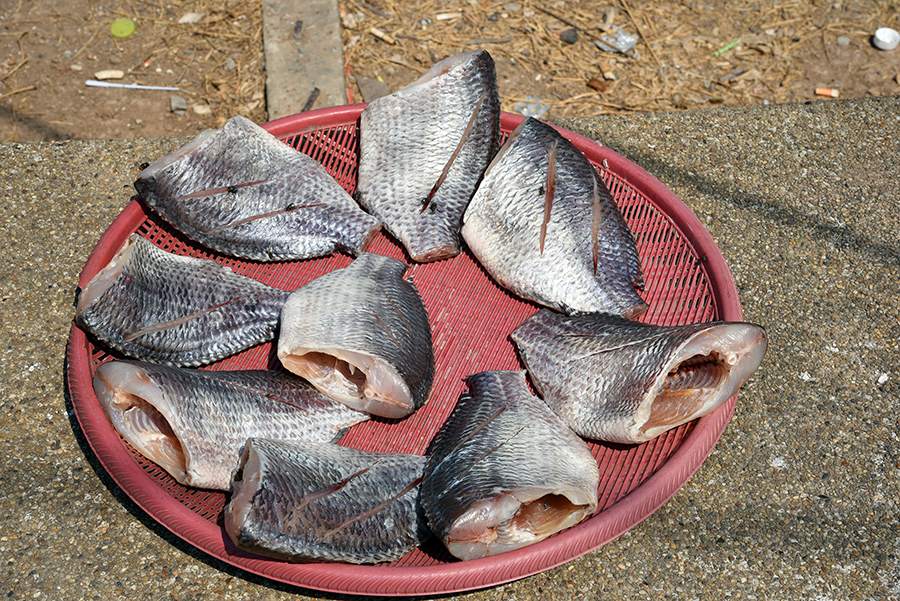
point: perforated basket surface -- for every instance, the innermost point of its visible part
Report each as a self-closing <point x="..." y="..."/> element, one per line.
<point x="687" y="281"/>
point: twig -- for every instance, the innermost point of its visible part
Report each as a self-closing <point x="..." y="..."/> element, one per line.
<point x="14" y="69"/>
<point x="29" y="88"/>
<point x="90" y="39"/>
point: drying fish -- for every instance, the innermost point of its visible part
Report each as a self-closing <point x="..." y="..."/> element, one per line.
<point x="298" y="500"/>
<point x="165" y="308"/>
<point x="424" y="148"/>
<point x="192" y="423"/>
<point x="623" y="381"/>
<point x="545" y="226"/>
<point x="240" y="191"/>
<point x="361" y="335"/>
<point x="504" y="471"/>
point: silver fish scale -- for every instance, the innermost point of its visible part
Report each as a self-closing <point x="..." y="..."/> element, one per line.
<point x="594" y="370"/>
<point x="224" y="312"/>
<point x="407" y="138"/>
<point x="288" y="519"/>
<point x="213" y="413"/>
<point x="366" y="307"/>
<point x="305" y="212"/>
<point x="502" y="226"/>
<point x="500" y="438"/>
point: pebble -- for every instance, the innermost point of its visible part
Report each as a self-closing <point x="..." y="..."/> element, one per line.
<point x="569" y="36"/>
<point x="843" y="41"/>
<point x="202" y="109"/>
<point x="512" y="7"/>
<point x="68" y="54"/>
<point x="109" y="74"/>
<point x="230" y="65"/>
<point x="371" y="88"/>
<point x="494" y="16"/>
<point x="177" y="104"/>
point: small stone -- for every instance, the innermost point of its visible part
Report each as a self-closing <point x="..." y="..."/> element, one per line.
<point x="512" y="7"/>
<point x="494" y="16"/>
<point x="597" y="84"/>
<point x="569" y="36"/>
<point x="109" y="74"/>
<point x="177" y="104"/>
<point x="76" y="67"/>
<point x="230" y="65"/>
<point x="843" y="41"/>
<point x="202" y="109"/>
<point x="371" y="88"/>
<point x="68" y="54"/>
<point x="191" y="18"/>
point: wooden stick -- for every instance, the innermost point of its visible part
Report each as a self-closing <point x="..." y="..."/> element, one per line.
<point x="29" y="88"/>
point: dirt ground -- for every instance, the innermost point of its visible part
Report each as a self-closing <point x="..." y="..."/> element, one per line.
<point x="688" y="54"/>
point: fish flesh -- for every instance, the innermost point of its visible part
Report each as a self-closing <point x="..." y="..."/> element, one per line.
<point x="504" y="471"/>
<point x="193" y="423"/>
<point x="424" y="148"/>
<point x="619" y="380"/>
<point x="361" y="336"/>
<point x="242" y="192"/>
<point x="544" y="225"/>
<point x="165" y="308"/>
<point x="299" y="501"/>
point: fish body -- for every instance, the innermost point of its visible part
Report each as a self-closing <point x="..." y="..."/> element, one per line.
<point x="165" y="308"/>
<point x="618" y="380"/>
<point x="545" y="226"/>
<point x="192" y="423"/>
<point x="303" y="501"/>
<point x="424" y="148"/>
<point x="240" y="191"/>
<point x="504" y="471"/>
<point x="361" y="335"/>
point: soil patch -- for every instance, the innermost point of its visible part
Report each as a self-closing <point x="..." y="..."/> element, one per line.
<point x="686" y="55"/>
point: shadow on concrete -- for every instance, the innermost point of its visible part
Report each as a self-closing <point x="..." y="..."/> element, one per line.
<point x="47" y="131"/>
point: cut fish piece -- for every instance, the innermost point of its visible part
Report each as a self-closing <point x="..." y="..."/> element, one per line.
<point x="618" y="380"/>
<point x="240" y="191"/>
<point x="424" y="148"/>
<point x="192" y="423"/>
<point x="545" y="226"/>
<point x="361" y="335"/>
<point x="297" y="500"/>
<point x="165" y="308"/>
<point x="504" y="471"/>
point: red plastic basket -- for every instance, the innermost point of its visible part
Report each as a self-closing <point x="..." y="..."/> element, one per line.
<point x="687" y="281"/>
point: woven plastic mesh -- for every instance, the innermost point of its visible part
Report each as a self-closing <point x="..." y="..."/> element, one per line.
<point x="686" y="281"/>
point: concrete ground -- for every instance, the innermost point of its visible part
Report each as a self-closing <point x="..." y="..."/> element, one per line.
<point x="799" y="499"/>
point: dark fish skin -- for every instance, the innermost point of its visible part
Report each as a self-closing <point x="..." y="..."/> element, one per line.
<point x="164" y="308"/>
<point x="408" y="138"/>
<point x="361" y="335"/>
<point x="303" y="501"/>
<point x="618" y="380"/>
<point x="504" y="471"/>
<point x="193" y="423"/>
<point x="240" y="191"/>
<point x="549" y="230"/>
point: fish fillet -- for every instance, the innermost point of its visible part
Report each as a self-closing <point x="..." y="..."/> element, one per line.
<point x="618" y="380"/>
<point x="504" y="472"/>
<point x="303" y="501"/>
<point x="240" y="191"/>
<point x="361" y="335"/>
<point x="544" y="225"/>
<point x="165" y="308"/>
<point x="424" y="148"/>
<point x="192" y="423"/>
